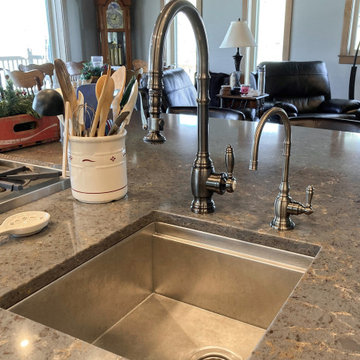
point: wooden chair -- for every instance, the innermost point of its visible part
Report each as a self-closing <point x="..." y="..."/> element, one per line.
<point x="138" y="64"/>
<point x="47" y="69"/>
<point x="26" y="80"/>
<point x="75" y="69"/>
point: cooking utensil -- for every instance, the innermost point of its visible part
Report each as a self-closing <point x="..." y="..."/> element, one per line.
<point x="105" y="107"/>
<point x="119" y="77"/>
<point x="25" y="223"/>
<point x="115" y="105"/>
<point x="129" y="106"/>
<point x="102" y="99"/>
<point x="117" y="123"/>
<point x="142" y="113"/>
<point x="127" y="92"/>
<point x="67" y="89"/>
<point x="99" y="86"/>
<point x="80" y="118"/>
<point x="66" y="138"/>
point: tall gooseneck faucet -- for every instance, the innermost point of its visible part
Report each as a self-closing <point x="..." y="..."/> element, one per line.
<point x="284" y="206"/>
<point x="204" y="180"/>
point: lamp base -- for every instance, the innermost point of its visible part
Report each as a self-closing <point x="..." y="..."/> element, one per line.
<point x="235" y="80"/>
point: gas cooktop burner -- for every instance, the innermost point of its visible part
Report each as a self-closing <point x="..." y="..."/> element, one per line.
<point x="21" y="183"/>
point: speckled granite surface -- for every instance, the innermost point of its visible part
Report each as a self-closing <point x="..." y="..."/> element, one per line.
<point x="321" y="320"/>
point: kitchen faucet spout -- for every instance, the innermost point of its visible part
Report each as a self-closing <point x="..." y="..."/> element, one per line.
<point x="204" y="180"/>
<point x="284" y="205"/>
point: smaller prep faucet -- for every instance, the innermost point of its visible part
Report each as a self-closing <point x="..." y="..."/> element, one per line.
<point x="284" y="205"/>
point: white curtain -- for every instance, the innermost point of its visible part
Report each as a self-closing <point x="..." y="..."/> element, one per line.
<point x="58" y="29"/>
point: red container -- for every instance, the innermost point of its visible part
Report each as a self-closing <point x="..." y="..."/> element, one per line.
<point x="25" y="130"/>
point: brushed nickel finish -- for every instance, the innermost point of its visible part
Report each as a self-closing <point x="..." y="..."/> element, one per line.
<point x="168" y="292"/>
<point x="284" y="205"/>
<point x="204" y="180"/>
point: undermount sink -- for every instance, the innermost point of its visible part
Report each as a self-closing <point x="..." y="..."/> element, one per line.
<point x="169" y="292"/>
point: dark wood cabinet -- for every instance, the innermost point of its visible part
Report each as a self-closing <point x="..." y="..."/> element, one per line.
<point x="113" y="21"/>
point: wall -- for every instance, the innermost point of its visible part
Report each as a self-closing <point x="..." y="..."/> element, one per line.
<point x="143" y="17"/>
<point x="217" y="16"/>
<point x="316" y="35"/>
<point x="81" y="18"/>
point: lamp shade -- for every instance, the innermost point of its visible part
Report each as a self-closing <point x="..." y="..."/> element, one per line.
<point x="238" y="35"/>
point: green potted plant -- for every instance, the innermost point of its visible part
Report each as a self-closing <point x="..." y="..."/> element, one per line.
<point x="91" y="73"/>
<point x="20" y="124"/>
<point x="15" y="102"/>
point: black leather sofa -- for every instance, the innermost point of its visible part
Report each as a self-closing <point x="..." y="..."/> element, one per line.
<point x="302" y="89"/>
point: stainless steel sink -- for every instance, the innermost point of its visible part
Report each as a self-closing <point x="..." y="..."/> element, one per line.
<point x="168" y="292"/>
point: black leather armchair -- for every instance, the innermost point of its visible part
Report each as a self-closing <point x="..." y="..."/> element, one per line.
<point x="179" y="89"/>
<point x="302" y="89"/>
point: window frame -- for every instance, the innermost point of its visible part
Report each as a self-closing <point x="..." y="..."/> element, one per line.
<point x="170" y="56"/>
<point x="250" y="12"/>
<point x="351" y="17"/>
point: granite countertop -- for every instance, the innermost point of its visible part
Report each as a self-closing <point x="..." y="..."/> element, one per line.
<point x="321" y="320"/>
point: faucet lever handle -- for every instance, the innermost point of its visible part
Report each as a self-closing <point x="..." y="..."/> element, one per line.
<point x="309" y="195"/>
<point x="230" y="163"/>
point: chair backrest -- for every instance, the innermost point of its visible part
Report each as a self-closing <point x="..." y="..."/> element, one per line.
<point x="214" y="112"/>
<point x="47" y="69"/>
<point x="302" y="83"/>
<point x="88" y="90"/>
<point x="178" y="89"/>
<point x="74" y="69"/>
<point x="216" y="81"/>
<point x="26" y="80"/>
<point x="138" y="63"/>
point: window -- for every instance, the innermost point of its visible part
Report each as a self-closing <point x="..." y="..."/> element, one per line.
<point x="272" y="37"/>
<point x="181" y="43"/>
<point x="26" y="39"/>
<point x="351" y="32"/>
<point x="270" y="34"/>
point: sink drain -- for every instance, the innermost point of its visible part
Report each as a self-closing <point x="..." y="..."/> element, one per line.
<point x="213" y="353"/>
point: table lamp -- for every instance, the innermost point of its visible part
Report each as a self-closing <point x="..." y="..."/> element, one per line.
<point x="238" y="35"/>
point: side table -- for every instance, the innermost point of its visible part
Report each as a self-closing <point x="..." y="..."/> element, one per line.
<point x="240" y="102"/>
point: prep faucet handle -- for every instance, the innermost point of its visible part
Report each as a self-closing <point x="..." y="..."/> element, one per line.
<point x="230" y="163"/>
<point x="296" y="208"/>
<point x="309" y="195"/>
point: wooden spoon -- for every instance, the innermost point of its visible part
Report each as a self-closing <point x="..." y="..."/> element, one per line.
<point x="119" y="77"/>
<point x="101" y="101"/>
<point x="107" y="98"/>
<point x="81" y="122"/>
<point x="99" y="86"/>
<point x="66" y="137"/>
